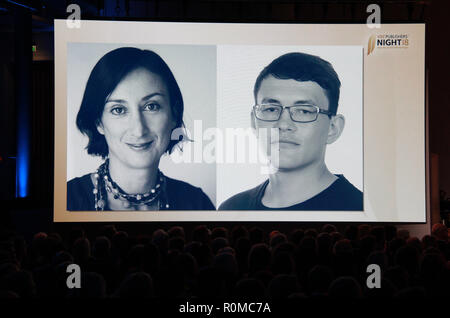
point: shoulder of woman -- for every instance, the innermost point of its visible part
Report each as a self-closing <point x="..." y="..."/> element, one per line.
<point x="78" y="182"/>
<point x="79" y="193"/>
<point x="183" y="192"/>
<point x="178" y="185"/>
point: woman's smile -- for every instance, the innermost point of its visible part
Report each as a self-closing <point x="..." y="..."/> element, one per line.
<point x="139" y="147"/>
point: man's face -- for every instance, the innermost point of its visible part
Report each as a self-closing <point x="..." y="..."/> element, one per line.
<point x="301" y="145"/>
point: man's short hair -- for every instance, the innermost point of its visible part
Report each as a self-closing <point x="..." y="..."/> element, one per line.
<point x="304" y="67"/>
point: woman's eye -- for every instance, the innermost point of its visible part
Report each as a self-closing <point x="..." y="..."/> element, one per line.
<point x="152" y="107"/>
<point x="117" y="110"/>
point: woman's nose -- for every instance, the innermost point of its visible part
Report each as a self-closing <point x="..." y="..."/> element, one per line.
<point x="285" y="122"/>
<point x="137" y="125"/>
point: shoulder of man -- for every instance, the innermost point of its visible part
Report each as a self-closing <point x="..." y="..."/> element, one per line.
<point x="245" y="200"/>
<point x="350" y="196"/>
<point x="343" y="185"/>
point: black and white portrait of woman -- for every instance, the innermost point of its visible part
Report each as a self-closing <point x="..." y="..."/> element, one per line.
<point x="130" y="107"/>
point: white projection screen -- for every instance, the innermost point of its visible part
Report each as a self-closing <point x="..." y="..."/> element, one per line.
<point x="375" y="144"/>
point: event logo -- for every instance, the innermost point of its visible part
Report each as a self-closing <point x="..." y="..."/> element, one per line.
<point x="387" y="41"/>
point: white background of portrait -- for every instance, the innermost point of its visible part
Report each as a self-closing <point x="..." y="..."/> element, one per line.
<point x="196" y="80"/>
<point x="396" y="182"/>
<point x="237" y="69"/>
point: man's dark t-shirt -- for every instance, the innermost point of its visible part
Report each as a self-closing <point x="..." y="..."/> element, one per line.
<point x="341" y="195"/>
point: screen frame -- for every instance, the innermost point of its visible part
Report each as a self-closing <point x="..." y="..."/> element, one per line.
<point x="426" y="168"/>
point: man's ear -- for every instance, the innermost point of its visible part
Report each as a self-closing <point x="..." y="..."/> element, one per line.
<point x="253" y="123"/>
<point x="100" y="129"/>
<point x="337" y="124"/>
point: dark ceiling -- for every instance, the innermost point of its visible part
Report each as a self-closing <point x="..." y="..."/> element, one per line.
<point x="44" y="11"/>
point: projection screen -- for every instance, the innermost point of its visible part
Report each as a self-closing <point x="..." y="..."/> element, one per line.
<point x="280" y="122"/>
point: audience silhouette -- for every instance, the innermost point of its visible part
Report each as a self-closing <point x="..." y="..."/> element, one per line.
<point x="220" y="262"/>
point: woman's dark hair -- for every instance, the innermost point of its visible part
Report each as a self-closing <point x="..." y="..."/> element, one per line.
<point x="304" y="67"/>
<point x="104" y="78"/>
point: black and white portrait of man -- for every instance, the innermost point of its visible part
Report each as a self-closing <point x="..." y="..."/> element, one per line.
<point x="297" y="95"/>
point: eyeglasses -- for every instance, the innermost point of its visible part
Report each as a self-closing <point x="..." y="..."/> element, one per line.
<point x="298" y="113"/>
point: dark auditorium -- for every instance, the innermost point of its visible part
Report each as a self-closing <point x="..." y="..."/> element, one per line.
<point x="224" y="156"/>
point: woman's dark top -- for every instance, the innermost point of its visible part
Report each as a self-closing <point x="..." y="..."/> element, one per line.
<point x="181" y="195"/>
<point x="341" y="195"/>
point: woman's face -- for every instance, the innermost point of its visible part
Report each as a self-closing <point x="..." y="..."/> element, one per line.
<point x="137" y="120"/>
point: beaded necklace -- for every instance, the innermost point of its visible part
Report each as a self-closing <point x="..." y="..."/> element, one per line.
<point x="103" y="184"/>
